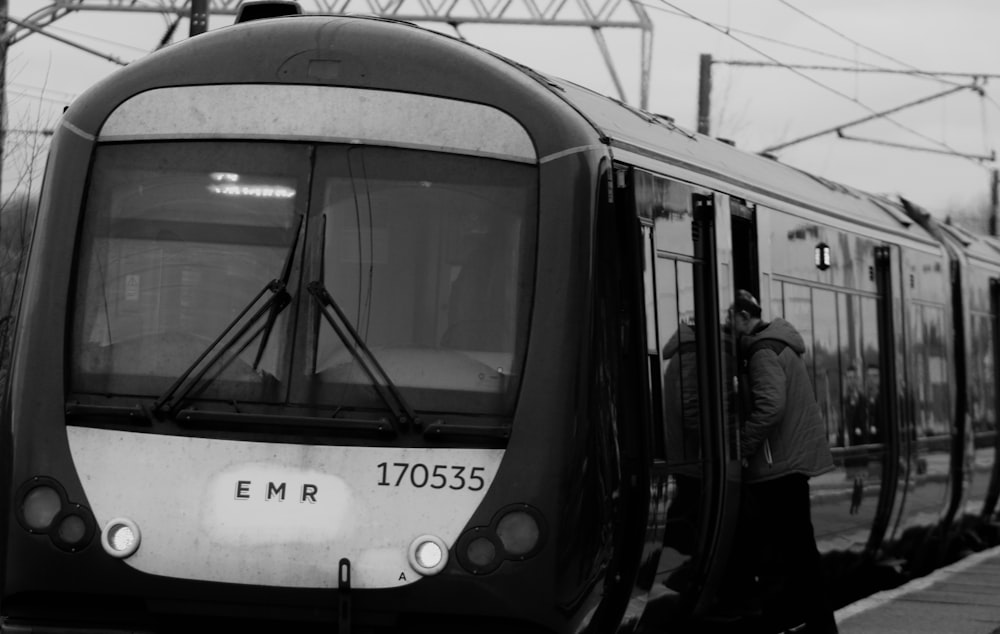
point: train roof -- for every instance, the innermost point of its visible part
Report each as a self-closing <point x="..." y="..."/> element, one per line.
<point x="404" y="60"/>
<point x="657" y="136"/>
<point x="961" y="244"/>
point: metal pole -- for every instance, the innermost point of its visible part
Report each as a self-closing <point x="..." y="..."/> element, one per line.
<point x="4" y="9"/>
<point x="994" y="199"/>
<point x="704" y="92"/>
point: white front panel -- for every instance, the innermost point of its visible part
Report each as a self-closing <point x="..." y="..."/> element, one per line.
<point x="319" y="113"/>
<point x="278" y="514"/>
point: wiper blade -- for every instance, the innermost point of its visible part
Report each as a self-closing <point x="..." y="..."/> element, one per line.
<point x="441" y="429"/>
<point x="384" y="385"/>
<point x="328" y="424"/>
<point x="278" y="300"/>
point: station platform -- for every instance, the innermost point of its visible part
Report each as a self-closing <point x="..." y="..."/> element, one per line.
<point x="963" y="598"/>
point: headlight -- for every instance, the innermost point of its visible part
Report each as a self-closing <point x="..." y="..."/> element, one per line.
<point x="120" y="537"/>
<point x="518" y="532"/>
<point x="428" y="554"/>
<point x="39" y="507"/>
<point x="43" y="508"/>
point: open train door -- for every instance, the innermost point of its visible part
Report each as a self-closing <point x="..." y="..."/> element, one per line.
<point x="686" y="278"/>
<point x="885" y="435"/>
<point x="726" y="241"/>
<point x="992" y="380"/>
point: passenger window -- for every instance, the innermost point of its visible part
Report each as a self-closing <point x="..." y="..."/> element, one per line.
<point x="678" y="330"/>
<point x="826" y="360"/>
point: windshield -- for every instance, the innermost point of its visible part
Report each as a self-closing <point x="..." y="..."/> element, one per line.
<point x="428" y="256"/>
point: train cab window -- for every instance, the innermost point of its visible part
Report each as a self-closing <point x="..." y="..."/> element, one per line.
<point x="211" y="260"/>
<point x="427" y="254"/>
<point x="177" y="240"/>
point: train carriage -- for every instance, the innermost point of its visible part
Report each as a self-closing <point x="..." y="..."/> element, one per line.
<point x="975" y="272"/>
<point x="336" y="323"/>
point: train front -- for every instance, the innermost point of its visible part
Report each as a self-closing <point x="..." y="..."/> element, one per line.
<point x="273" y="365"/>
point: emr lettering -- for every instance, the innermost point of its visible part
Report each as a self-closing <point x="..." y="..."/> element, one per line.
<point x="275" y="491"/>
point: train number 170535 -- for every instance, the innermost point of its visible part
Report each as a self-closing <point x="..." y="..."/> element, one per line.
<point x="437" y="476"/>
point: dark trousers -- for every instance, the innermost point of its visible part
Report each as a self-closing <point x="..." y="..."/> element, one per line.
<point x="792" y="585"/>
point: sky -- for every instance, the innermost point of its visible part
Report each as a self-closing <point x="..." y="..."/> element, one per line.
<point x="943" y="163"/>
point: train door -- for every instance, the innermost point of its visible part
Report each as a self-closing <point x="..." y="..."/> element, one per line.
<point x="684" y="324"/>
<point x="991" y="393"/>
<point x="884" y="425"/>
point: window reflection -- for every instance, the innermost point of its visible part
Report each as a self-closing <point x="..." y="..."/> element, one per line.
<point x="840" y="331"/>
<point x="167" y="261"/>
<point x="827" y="361"/>
<point x="982" y="389"/>
<point x="426" y="254"/>
<point x="930" y="383"/>
<point x="681" y="409"/>
<point x="668" y="204"/>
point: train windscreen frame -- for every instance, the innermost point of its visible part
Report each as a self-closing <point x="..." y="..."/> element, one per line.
<point x="186" y="244"/>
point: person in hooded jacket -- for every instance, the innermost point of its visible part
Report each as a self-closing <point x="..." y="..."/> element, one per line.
<point x="783" y="444"/>
<point x="682" y="417"/>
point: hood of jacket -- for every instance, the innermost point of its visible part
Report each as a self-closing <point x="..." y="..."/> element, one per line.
<point x="685" y="335"/>
<point x="775" y="330"/>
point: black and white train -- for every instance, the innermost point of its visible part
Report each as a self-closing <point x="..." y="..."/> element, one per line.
<point x="339" y="324"/>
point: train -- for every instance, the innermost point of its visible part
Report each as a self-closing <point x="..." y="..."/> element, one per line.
<point x="337" y="323"/>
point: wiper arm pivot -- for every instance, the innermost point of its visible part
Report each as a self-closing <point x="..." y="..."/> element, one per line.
<point x="277" y="301"/>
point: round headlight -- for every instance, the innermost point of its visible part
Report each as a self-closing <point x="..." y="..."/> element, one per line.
<point x="481" y="552"/>
<point x="428" y="554"/>
<point x="120" y="537"/>
<point x="72" y="530"/>
<point x="40" y="506"/>
<point x="518" y="532"/>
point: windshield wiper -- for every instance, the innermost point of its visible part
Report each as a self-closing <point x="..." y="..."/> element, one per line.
<point x="277" y="302"/>
<point x="384" y="386"/>
<point x="286" y="273"/>
<point x="331" y="425"/>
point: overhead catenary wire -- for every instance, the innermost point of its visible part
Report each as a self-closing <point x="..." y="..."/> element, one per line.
<point x="852" y="69"/>
<point x="908" y="69"/>
<point x="852" y="40"/>
<point x="42" y="97"/>
<point x="812" y="80"/>
<point x="87" y="49"/>
<point x="94" y="38"/>
<point x="44" y="90"/>
<point x="727" y="30"/>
